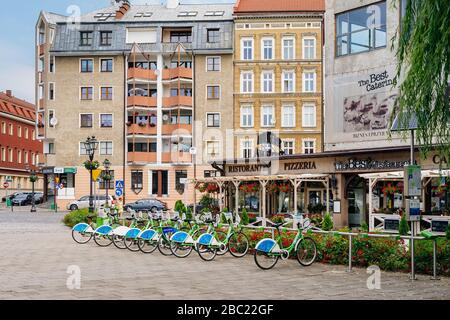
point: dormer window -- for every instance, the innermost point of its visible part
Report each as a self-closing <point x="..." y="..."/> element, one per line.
<point x="86" y="38"/>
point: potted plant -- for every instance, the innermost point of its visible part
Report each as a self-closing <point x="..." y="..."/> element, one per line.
<point x="91" y="165"/>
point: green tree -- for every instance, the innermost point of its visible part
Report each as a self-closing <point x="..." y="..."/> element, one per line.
<point x="403" y="227"/>
<point x="423" y="53"/>
<point x="327" y="223"/>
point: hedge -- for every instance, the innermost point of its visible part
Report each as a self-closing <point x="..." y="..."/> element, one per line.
<point x="77" y="216"/>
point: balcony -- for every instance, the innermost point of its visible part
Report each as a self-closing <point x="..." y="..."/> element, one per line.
<point x="149" y="102"/>
<point x="176" y="157"/>
<point x="170" y="74"/>
<point x="140" y="73"/>
<point x="170" y="102"/>
<point x="171" y="129"/>
<point x="136" y="129"/>
<point x="143" y="157"/>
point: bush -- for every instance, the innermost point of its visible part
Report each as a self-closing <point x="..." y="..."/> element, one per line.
<point x="364" y="227"/>
<point x="179" y="206"/>
<point x="244" y="217"/>
<point x="188" y="213"/>
<point x="78" y="216"/>
<point x="327" y="223"/>
<point x="403" y="227"/>
<point x="447" y="232"/>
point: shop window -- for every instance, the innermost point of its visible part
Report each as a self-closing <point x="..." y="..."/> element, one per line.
<point x="107" y="183"/>
<point x="67" y="180"/>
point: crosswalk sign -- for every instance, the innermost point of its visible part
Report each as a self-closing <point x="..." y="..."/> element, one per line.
<point x="119" y="184"/>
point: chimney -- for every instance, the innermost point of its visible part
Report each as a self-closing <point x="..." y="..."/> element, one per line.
<point x="9" y="93"/>
<point x="172" y="4"/>
<point x="123" y="9"/>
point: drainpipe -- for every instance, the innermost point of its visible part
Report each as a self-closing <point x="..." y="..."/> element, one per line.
<point x="125" y="144"/>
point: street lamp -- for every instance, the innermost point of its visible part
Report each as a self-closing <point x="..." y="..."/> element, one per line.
<point x="107" y="178"/>
<point x="91" y="145"/>
<point x="33" y="179"/>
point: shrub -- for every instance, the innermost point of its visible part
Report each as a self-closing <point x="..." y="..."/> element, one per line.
<point x="447" y="232"/>
<point x="188" y="213"/>
<point x="244" y="217"/>
<point x="78" y="216"/>
<point x="403" y="227"/>
<point x="327" y="223"/>
<point x="179" y="206"/>
<point x="364" y="227"/>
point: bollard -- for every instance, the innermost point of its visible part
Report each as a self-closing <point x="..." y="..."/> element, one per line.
<point x="349" y="253"/>
<point x="434" y="277"/>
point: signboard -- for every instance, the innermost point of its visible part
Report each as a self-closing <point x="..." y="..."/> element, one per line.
<point x="48" y="170"/>
<point x="391" y="224"/>
<point x="58" y="170"/>
<point x="413" y="181"/>
<point x="119" y="192"/>
<point x="119" y="184"/>
<point x="8" y="179"/>
<point x="183" y="180"/>
<point x="6" y="185"/>
<point x="439" y="225"/>
<point x="413" y="209"/>
<point x="95" y="174"/>
<point x="337" y="206"/>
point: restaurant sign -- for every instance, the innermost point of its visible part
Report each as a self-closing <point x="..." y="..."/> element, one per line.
<point x="367" y="164"/>
<point x="247" y="168"/>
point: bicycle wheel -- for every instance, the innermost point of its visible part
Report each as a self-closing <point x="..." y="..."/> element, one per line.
<point x="102" y="240"/>
<point x="306" y="251"/>
<point x="131" y="244"/>
<point x="119" y="242"/>
<point x="164" y="245"/>
<point x="205" y="252"/>
<point x="147" y="246"/>
<point x="265" y="260"/>
<point x="180" y="250"/>
<point x="81" y="237"/>
<point x="221" y="237"/>
<point x="238" y="244"/>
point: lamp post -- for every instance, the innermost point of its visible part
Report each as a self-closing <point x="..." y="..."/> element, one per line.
<point x="107" y="178"/>
<point x="33" y="179"/>
<point x="91" y="144"/>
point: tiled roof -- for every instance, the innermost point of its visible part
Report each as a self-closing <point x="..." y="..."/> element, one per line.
<point x="255" y="6"/>
<point x="17" y="107"/>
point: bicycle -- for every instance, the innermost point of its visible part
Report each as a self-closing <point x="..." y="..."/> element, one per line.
<point x="119" y="234"/>
<point x="268" y="251"/>
<point x="131" y="237"/>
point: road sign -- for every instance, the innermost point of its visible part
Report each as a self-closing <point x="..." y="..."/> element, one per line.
<point x="6" y="185"/>
<point x="8" y="179"/>
<point x="60" y="186"/>
<point x="95" y="174"/>
<point x="119" y="184"/>
<point x="119" y="192"/>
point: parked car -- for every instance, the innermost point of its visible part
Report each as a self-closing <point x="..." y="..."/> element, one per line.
<point x="11" y="196"/>
<point x="152" y="205"/>
<point x="199" y="207"/>
<point x="22" y="199"/>
<point x="38" y="197"/>
<point x="83" y="202"/>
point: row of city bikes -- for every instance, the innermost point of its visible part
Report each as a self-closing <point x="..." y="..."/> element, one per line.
<point x="179" y="236"/>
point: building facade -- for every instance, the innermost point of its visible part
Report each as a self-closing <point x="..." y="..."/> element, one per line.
<point x="278" y="76"/>
<point x="128" y="75"/>
<point x="20" y="151"/>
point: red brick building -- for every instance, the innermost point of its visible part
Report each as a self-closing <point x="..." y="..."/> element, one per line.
<point x="19" y="148"/>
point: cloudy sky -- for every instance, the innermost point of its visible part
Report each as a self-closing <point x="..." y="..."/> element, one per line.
<point x="17" y="22"/>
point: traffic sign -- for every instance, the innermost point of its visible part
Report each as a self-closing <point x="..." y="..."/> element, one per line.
<point x="119" y="192"/>
<point x="95" y="174"/>
<point x="6" y="185"/>
<point x="8" y="179"/>
<point x="119" y="184"/>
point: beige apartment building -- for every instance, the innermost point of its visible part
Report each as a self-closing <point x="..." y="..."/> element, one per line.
<point x="278" y="77"/>
<point x="147" y="81"/>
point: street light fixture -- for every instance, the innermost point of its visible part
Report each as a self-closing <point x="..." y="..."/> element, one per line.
<point x="91" y="145"/>
<point x="107" y="178"/>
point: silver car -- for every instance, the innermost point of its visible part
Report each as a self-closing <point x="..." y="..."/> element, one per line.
<point x="83" y="202"/>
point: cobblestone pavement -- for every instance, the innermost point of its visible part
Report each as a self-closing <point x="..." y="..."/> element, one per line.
<point x="36" y="250"/>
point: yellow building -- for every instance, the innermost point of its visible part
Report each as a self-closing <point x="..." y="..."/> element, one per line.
<point x="278" y="75"/>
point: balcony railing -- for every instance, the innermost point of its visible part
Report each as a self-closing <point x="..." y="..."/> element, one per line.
<point x="176" y="101"/>
<point x="146" y="157"/>
<point x="180" y="129"/>
<point x="149" y="102"/>
<point x="141" y="129"/>
<point x="176" y="157"/>
<point x="140" y="73"/>
<point x="175" y="73"/>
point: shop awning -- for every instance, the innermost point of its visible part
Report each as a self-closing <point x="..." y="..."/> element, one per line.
<point x="306" y="176"/>
<point x="399" y="174"/>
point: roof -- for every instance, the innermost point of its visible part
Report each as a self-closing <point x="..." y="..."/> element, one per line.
<point x="17" y="107"/>
<point x="264" y="6"/>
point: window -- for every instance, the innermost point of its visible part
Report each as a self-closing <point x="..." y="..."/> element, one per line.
<point x="3" y="127"/>
<point x="309" y="116"/>
<point x="308" y="146"/>
<point x="211" y="173"/>
<point x="309" y="81"/>
<point x="33" y="159"/>
<point x="181" y="36"/>
<point x="267" y="49"/>
<point x="51" y="148"/>
<point x="267" y="116"/>
<point x="106" y="148"/>
<point x="106" y="93"/>
<point x="105" y="38"/>
<point x="213" y="120"/>
<point x="288" y="116"/>
<point x="86" y="120"/>
<point x="52" y="64"/>
<point x="213" y="92"/>
<point x="87" y="65"/>
<point x="137" y="178"/>
<point x="110" y="184"/>
<point x="247" y="49"/>
<point x="19" y="156"/>
<point x="51" y="91"/>
<point x="247" y="82"/>
<point x="213" y="35"/>
<point x="246" y="148"/>
<point x="10" y="155"/>
<point x="213" y="63"/>
<point x="180" y="174"/>
<point x="11" y="129"/>
<point x="288" y="81"/>
<point x="288" y="146"/>
<point x="25" y="159"/>
<point x="185" y="92"/>
<point x="106" y="120"/>
<point x="106" y="65"/>
<point x="246" y="116"/>
<point x="361" y="30"/>
<point x="213" y="148"/>
<point x="41" y="65"/>
<point x="19" y="131"/>
<point x="267" y="81"/>
<point x="51" y="115"/>
<point x="86" y="38"/>
<point x="26" y="133"/>
<point x="87" y="93"/>
<point x="309" y="48"/>
<point x="158" y="188"/>
<point x="33" y="135"/>
<point x="3" y="154"/>
<point x="288" y="48"/>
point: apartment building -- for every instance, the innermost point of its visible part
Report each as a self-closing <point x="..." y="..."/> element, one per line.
<point x="142" y="79"/>
<point x="278" y="77"/>
<point x="19" y="149"/>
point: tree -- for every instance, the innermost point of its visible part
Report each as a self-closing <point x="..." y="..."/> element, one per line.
<point x="423" y="53"/>
<point x="327" y="223"/>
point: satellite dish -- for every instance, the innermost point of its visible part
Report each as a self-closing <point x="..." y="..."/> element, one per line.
<point x="53" y="121"/>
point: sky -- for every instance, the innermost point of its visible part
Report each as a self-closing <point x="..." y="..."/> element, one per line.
<point x="17" y="24"/>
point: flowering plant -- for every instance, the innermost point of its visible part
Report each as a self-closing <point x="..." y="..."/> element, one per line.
<point x="249" y="187"/>
<point x="389" y="189"/>
<point x="284" y="187"/>
<point x="91" y="165"/>
<point x="207" y="187"/>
